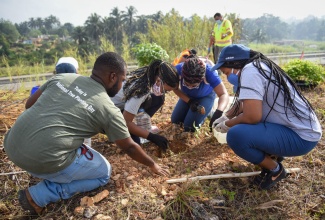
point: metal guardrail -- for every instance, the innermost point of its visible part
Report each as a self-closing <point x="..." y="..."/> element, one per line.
<point x="28" y="81"/>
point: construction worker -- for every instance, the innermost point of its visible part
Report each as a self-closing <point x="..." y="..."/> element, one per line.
<point x="222" y="34"/>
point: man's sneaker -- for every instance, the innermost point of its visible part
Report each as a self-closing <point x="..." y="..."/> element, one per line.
<point x="28" y="204"/>
<point x="271" y="178"/>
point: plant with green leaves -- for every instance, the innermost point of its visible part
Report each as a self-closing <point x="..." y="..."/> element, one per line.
<point x="147" y="52"/>
<point x="304" y="70"/>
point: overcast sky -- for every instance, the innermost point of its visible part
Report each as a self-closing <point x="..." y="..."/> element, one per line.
<point x="77" y="11"/>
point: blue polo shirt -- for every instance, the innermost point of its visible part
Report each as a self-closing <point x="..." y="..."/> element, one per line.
<point x="204" y="89"/>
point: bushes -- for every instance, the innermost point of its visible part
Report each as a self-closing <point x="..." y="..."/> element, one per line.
<point x="146" y="52"/>
<point x="304" y="70"/>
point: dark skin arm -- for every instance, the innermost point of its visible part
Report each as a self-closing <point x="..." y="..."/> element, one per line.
<point x="136" y="153"/>
<point x="223" y="95"/>
<point x="33" y="98"/>
<point x="133" y="128"/>
<point x="251" y="114"/>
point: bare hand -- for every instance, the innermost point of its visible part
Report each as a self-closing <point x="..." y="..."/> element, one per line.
<point x="162" y="171"/>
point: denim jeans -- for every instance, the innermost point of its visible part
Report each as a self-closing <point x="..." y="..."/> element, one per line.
<point x="183" y="114"/>
<point x="253" y="141"/>
<point x="65" y="68"/>
<point x="82" y="175"/>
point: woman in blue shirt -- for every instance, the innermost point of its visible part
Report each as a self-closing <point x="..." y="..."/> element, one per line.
<point x="198" y="87"/>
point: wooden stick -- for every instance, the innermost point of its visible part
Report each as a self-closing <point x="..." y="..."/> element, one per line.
<point x="3" y="174"/>
<point x="225" y="175"/>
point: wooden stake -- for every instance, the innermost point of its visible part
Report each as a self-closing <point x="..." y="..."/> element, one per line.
<point x="225" y="175"/>
<point x="3" y="174"/>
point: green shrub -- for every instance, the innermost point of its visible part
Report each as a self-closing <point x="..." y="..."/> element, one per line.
<point x="304" y="70"/>
<point x="146" y="52"/>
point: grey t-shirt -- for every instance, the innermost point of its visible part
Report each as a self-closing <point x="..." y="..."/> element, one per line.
<point x="45" y="137"/>
<point x="251" y="78"/>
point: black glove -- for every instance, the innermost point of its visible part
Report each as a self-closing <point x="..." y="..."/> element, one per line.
<point x="159" y="140"/>
<point x="217" y="114"/>
<point x="147" y="103"/>
<point x="193" y="105"/>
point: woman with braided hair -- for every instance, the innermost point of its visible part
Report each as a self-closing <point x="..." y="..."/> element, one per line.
<point x="198" y="88"/>
<point x="145" y="90"/>
<point x="269" y="115"/>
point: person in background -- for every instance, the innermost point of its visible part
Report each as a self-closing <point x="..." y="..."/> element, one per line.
<point x="66" y="65"/>
<point x="47" y="138"/>
<point x="269" y="117"/>
<point x="145" y="89"/>
<point x="183" y="56"/>
<point x="198" y="88"/>
<point x="222" y="34"/>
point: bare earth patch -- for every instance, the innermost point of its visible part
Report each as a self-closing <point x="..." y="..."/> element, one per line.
<point x="135" y="193"/>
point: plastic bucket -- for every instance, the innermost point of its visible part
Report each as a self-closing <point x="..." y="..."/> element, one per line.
<point x="34" y="89"/>
<point x="221" y="137"/>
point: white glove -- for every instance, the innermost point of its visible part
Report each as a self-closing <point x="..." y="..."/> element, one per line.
<point x="219" y="120"/>
<point x="222" y="127"/>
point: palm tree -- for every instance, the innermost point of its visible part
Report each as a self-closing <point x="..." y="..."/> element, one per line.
<point x="128" y="18"/>
<point x="32" y="23"/>
<point x="116" y="14"/>
<point x="69" y="27"/>
<point x="157" y="17"/>
<point x="51" y="21"/>
<point x="79" y="35"/>
<point x="94" y="27"/>
<point x="142" y="23"/>
<point x="108" y="26"/>
<point x="39" y="22"/>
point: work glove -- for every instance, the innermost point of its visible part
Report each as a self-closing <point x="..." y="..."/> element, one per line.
<point x="222" y="127"/>
<point x="217" y="114"/>
<point x="219" y="120"/>
<point x="193" y="105"/>
<point x="209" y="50"/>
<point x="159" y="140"/>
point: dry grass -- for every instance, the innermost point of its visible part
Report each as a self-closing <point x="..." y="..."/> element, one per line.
<point x="135" y="193"/>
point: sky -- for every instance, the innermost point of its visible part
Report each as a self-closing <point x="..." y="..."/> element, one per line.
<point x="77" y="11"/>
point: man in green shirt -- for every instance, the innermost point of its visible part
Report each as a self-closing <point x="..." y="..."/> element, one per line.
<point x="47" y="138"/>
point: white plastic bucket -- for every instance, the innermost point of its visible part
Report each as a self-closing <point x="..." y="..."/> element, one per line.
<point x="221" y="137"/>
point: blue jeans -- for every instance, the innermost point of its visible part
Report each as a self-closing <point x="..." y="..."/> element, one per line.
<point x="253" y="142"/>
<point x="183" y="114"/>
<point x="65" y="68"/>
<point x="82" y="175"/>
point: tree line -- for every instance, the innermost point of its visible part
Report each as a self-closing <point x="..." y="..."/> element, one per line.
<point x="122" y="30"/>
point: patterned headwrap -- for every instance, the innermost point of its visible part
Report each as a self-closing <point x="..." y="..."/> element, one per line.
<point x="193" y="70"/>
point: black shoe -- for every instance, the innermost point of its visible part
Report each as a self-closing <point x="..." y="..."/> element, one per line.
<point x="27" y="203"/>
<point x="258" y="179"/>
<point x="271" y="178"/>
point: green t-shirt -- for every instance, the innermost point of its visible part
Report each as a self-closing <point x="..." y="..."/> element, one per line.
<point x="45" y="137"/>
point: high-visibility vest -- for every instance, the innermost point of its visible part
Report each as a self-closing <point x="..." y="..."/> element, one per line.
<point x="218" y="31"/>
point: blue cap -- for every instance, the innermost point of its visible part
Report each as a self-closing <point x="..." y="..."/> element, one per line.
<point x="231" y="53"/>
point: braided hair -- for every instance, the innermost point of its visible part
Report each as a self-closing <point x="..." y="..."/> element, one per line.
<point x="193" y="70"/>
<point x="278" y="77"/>
<point x="143" y="79"/>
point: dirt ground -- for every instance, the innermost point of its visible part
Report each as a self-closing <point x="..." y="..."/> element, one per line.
<point x="135" y="193"/>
